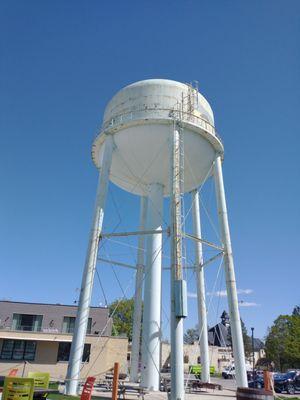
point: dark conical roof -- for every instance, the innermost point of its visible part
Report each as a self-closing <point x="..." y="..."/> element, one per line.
<point x="225" y="318"/>
<point x="218" y="335"/>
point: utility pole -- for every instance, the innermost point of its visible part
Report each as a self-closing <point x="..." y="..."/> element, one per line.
<point x="253" y="358"/>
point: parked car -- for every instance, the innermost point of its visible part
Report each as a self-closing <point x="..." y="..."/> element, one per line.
<point x="229" y="372"/>
<point x="289" y="382"/>
<point x="256" y="382"/>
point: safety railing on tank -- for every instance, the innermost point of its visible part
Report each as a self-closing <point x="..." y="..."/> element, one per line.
<point x="180" y="115"/>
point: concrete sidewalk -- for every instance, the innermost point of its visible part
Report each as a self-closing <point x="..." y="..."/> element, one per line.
<point x="204" y="394"/>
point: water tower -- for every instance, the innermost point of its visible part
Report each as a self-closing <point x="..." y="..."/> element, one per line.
<point x="149" y="129"/>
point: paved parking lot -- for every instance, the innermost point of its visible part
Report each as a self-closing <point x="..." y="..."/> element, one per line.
<point x="230" y="384"/>
<point x="228" y="392"/>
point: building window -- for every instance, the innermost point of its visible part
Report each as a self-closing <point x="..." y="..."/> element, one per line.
<point x="69" y="325"/>
<point x="186" y="359"/>
<point x="18" y="350"/>
<point x="27" y="322"/>
<point x="64" y="349"/>
<point x="198" y="360"/>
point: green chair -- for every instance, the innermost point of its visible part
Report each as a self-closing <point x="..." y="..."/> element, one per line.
<point x="18" y="388"/>
<point x="196" y="369"/>
<point x="41" y="379"/>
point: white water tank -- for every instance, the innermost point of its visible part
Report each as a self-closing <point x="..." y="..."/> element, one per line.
<point x="142" y="116"/>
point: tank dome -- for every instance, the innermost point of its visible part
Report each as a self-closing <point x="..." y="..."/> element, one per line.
<point x="156" y="98"/>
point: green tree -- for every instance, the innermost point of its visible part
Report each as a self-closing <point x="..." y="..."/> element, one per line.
<point x="264" y="362"/>
<point x="122" y="316"/>
<point x="246" y="339"/>
<point x="283" y="342"/>
<point x="296" y="311"/>
<point x="191" y="336"/>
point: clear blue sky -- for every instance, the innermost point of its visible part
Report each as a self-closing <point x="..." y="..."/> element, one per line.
<point x="61" y="61"/>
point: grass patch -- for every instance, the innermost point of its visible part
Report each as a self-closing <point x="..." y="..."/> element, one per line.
<point x="289" y="398"/>
<point x="57" y="396"/>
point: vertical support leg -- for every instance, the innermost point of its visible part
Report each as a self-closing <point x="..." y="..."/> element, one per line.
<point x="202" y="316"/>
<point x="137" y="313"/>
<point x="235" y="323"/>
<point x="177" y="296"/>
<point x="78" y="341"/>
<point x="152" y="292"/>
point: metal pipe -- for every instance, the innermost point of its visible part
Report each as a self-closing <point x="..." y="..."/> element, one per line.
<point x="137" y="313"/>
<point x="211" y="259"/>
<point x="177" y="367"/>
<point x="202" y="313"/>
<point x="134" y="233"/>
<point x="235" y="322"/>
<point x="150" y="372"/>
<point x="198" y="239"/>
<point x="73" y="373"/>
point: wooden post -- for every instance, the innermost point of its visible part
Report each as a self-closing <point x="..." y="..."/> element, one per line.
<point x="115" y="381"/>
<point x="267" y="380"/>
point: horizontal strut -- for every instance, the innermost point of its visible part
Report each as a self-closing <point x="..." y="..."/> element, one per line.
<point x="212" y="259"/>
<point x="104" y="260"/>
<point x="197" y="239"/>
<point x="134" y="233"/>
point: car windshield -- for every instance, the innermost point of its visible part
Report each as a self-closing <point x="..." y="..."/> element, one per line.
<point x="279" y="376"/>
<point x="288" y="375"/>
<point x="291" y="375"/>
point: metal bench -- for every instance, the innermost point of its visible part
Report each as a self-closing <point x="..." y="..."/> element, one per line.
<point x="191" y="384"/>
<point x="130" y="389"/>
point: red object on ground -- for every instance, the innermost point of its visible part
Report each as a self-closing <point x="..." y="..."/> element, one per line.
<point x="13" y="372"/>
<point x="115" y="382"/>
<point x="88" y="388"/>
<point x="267" y="380"/>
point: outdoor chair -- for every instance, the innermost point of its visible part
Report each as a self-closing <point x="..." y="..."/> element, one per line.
<point x="18" y="388"/>
<point x="41" y="379"/>
<point x="86" y="393"/>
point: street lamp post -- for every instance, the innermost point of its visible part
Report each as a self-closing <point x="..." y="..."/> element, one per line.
<point x="253" y="358"/>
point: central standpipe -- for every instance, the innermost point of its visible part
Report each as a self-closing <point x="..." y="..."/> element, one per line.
<point x="150" y="373"/>
<point x="178" y="287"/>
<point x="235" y="322"/>
<point x="73" y="373"/>
<point x="202" y="313"/>
<point x="137" y="313"/>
